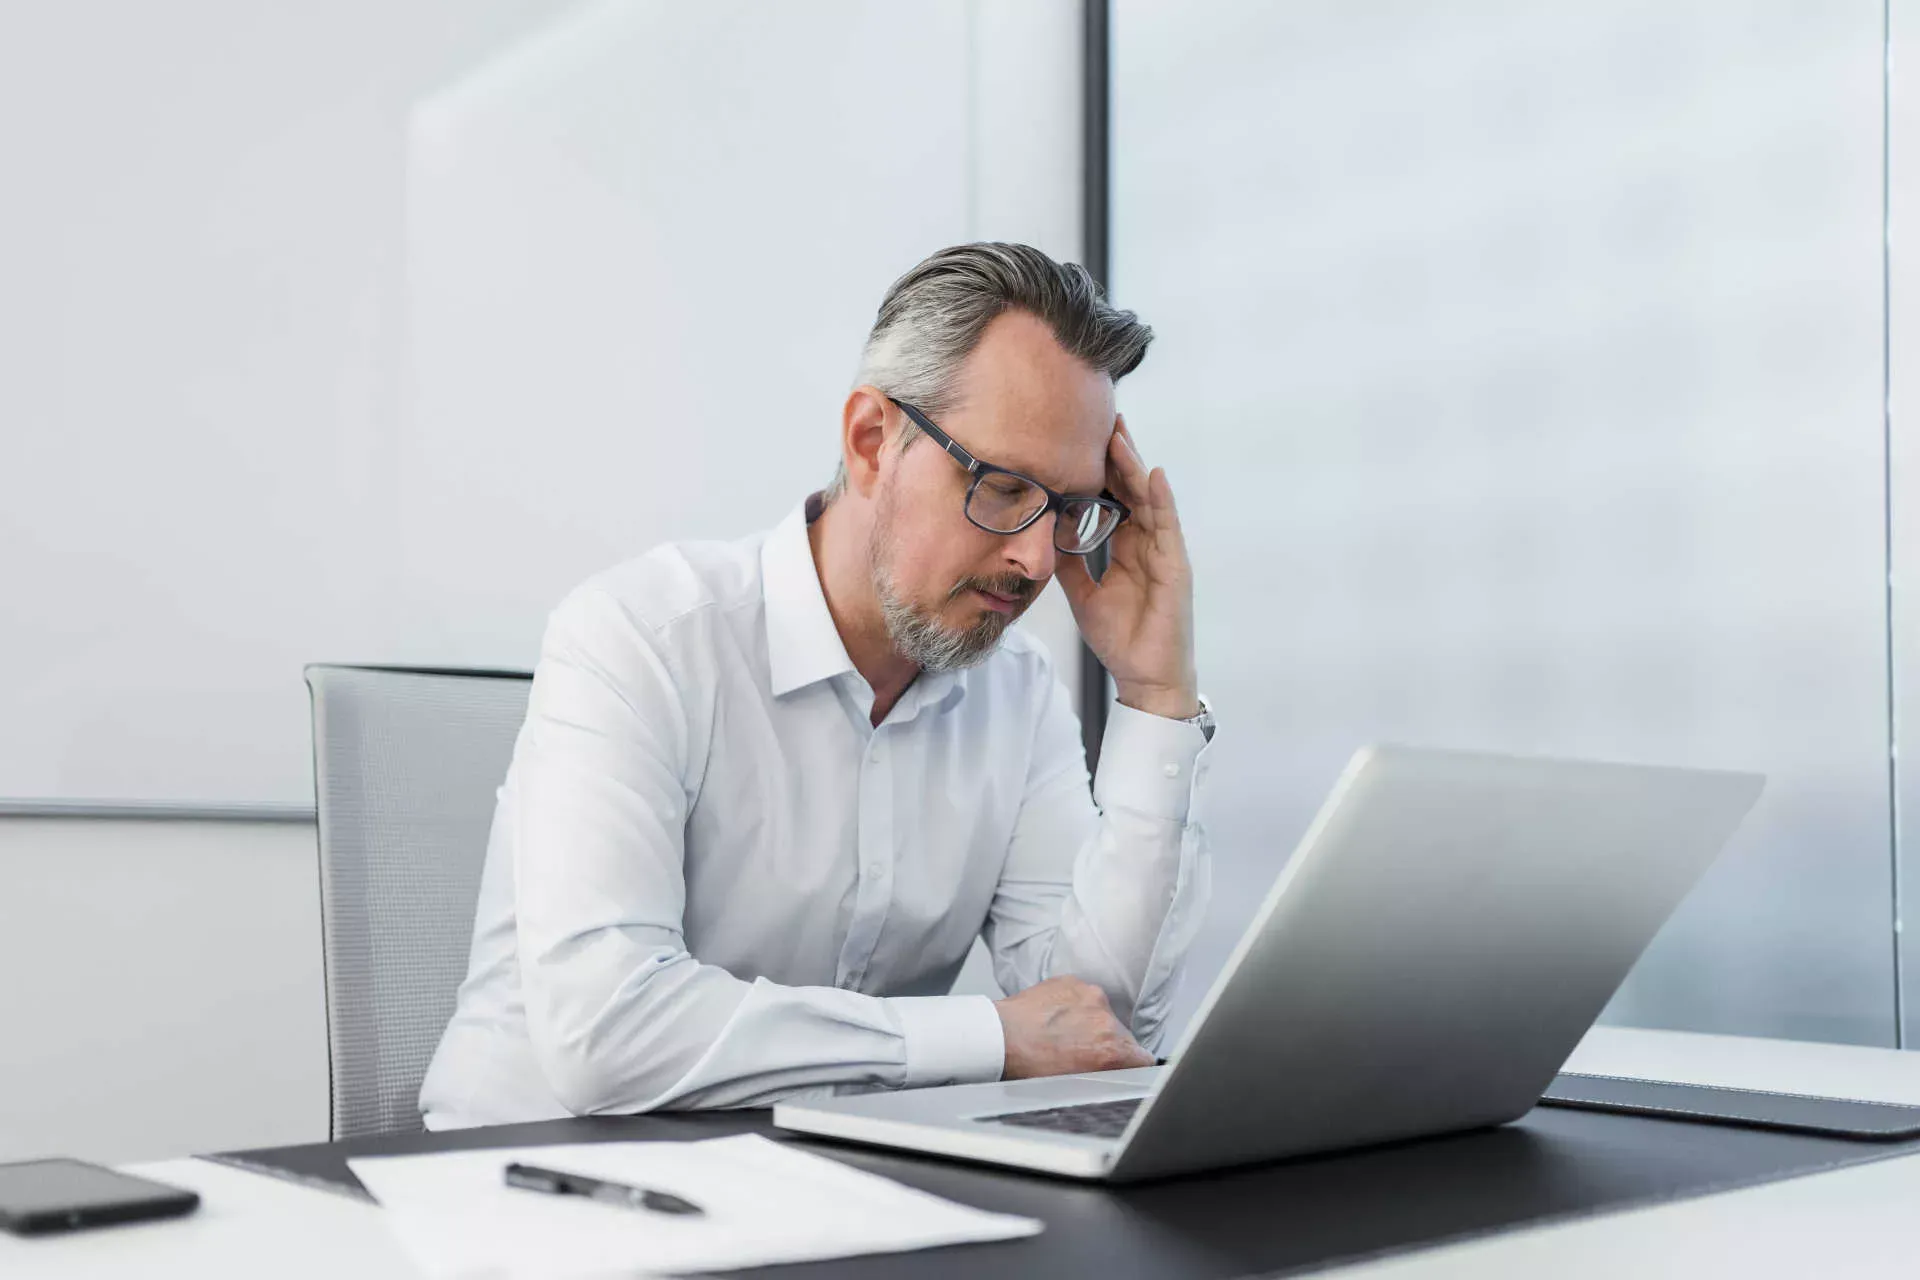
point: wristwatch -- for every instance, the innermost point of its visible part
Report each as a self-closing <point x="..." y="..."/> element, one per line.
<point x="1204" y="721"/>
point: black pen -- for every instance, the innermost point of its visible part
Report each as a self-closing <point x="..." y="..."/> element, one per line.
<point x="553" y="1182"/>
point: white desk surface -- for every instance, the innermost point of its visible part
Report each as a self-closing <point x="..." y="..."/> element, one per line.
<point x="1862" y="1221"/>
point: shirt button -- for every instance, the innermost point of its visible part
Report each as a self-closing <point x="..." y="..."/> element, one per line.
<point x="1172" y="770"/>
<point x="873" y="871"/>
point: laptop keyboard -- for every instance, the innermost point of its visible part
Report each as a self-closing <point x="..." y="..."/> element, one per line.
<point x="1092" y="1119"/>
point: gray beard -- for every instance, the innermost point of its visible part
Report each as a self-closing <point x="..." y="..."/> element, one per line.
<point x="919" y="637"/>
<point x="917" y="634"/>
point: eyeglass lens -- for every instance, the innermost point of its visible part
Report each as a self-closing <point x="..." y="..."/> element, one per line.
<point x="1004" y="503"/>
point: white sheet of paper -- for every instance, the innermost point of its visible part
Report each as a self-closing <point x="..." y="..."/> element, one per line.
<point x="766" y="1202"/>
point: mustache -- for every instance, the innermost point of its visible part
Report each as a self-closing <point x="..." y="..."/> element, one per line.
<point x="1012" y="585"/>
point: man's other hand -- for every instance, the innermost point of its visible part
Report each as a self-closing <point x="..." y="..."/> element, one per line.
<point x="1061" y="1026"/>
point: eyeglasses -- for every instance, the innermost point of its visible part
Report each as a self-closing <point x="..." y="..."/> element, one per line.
<point x="1006" y="502"/>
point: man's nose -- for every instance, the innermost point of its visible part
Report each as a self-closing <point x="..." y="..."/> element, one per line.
<point x="1031" y="550"/>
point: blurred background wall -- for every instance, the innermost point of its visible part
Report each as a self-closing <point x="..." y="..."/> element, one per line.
<point x="362" y="332"/>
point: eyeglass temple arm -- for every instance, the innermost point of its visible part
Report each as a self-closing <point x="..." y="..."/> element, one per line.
<point x="940" y="437"/>
<point x="960" y="455"/>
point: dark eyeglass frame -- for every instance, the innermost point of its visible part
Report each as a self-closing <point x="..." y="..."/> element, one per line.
<point x="981" y="470"/>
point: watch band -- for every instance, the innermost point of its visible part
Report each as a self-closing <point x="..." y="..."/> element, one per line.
<point x="1204" y="721"/>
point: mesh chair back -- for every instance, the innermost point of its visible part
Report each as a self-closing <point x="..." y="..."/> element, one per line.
<point x="406" y="765"/>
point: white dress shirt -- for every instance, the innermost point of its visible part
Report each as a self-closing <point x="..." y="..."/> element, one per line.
<point x="711" y="882"/>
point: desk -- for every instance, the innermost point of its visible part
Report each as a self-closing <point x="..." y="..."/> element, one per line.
<point x="1853" y="1221"/>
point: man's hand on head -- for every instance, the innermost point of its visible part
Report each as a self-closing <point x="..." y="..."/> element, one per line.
<point x="1064" y="1025"/>
<point x="1138" y="619"/>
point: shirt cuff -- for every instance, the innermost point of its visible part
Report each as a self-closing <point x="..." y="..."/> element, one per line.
<point x="950" y="1039"/>
<point x="1148" y="763"/>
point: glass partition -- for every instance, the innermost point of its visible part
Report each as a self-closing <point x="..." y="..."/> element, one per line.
<point x="1521" y="378"/>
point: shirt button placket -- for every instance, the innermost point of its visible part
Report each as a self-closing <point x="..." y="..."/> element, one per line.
<point x="872" y="894"/>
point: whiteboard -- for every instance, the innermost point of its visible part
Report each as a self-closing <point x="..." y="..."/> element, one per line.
<point x="362" y="332"/>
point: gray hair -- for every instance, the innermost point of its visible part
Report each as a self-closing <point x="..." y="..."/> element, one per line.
<point x="933" y="316"/>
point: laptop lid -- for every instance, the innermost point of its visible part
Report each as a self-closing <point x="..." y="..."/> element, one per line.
<point x="1449" y="927"/>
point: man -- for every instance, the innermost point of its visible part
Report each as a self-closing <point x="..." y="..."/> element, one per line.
<point x="769" y="792"/>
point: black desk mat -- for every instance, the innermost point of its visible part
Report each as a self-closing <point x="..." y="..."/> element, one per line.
<point x="1281" y="1218"/>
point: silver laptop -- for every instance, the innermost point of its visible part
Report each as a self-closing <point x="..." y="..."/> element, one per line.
<point x="1447" y="930"/>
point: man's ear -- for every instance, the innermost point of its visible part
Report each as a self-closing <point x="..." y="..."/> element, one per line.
<point x="863" y="437"/>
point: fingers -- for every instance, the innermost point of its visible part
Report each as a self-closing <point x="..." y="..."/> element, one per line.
<point x="1040" y="1041"/>
<point x="1123" y="1051"/>
<point x="1154" y="487"/>
<point x="1120" y="1049"/>
<point x="1124" y="465"/>
<point x="1147" y="492"/>
<point x="1166" y="514"/>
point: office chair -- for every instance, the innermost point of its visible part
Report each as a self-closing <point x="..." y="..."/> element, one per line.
<point x="406" y="764"/>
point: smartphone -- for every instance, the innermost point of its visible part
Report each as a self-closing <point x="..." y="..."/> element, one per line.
<point x="42" y="1196"/>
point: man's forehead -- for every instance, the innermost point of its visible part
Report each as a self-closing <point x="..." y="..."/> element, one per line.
<point x="1027" y="403"/>
<point x="1064" y="446"/>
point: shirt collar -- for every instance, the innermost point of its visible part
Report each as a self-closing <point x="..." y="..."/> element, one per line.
<point x="803" y="645"/>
